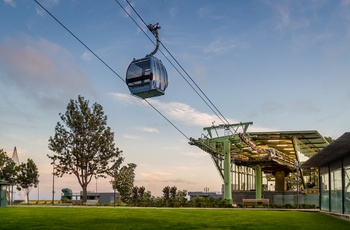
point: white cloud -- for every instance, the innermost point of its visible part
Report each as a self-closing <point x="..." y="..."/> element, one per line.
<point x="150" y="130"/>
<point x="203" y="12"/>
<point x="345" y="2"/>
<point x="41" y="70"/>
<point x="284" y="17"/>
<point x="132" y="137"/>
<point x="183" y="113"/>
<point x="173" y="11"/>
<point x="86" y="56"/>
<point x="47" y="4"/>
<point x="155" y="175"/>
<point x="40" y="11"/>
<point x="219" y="46"/>
<point x="10" y="2"/>
<point x="127" y="99"/>
<point x="172" y="110"/>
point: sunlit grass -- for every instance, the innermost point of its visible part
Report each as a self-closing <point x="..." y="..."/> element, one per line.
<point x="161" y="218"/>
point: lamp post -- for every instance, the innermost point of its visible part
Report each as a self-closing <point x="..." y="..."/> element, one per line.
<point x="11" y="198"/>
<point x="38" y="192"/>
<point x="53" y="183"/>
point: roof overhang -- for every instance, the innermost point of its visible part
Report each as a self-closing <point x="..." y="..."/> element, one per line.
<point x="336" y="150"/>
<point x="308" y="142"/>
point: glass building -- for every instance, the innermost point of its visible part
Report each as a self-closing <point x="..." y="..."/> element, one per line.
<point x="333" y="163"/>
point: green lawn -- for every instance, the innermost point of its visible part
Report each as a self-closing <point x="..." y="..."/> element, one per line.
<point x="161" y="218"/>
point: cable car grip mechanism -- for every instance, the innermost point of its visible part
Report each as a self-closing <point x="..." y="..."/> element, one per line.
<point x="154" y="29"/>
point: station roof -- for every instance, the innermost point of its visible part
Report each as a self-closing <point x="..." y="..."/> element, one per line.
<point x="309" y="142"/>
<point x="338" y="149"/>
<point x="273" y="150"/>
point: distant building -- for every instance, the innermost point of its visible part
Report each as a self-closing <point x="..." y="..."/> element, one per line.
<point x="101" y="197"/>
<point x="204" y="194"/>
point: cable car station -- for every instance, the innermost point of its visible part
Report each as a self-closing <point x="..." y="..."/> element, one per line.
<point x="244" y="158"/>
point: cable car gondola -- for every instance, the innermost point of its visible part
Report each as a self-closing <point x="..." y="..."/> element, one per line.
<point x="147" y="77"/>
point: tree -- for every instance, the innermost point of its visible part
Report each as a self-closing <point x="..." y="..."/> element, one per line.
<point x="141" y="192"/>
<point x="125" y="181"/>
<point x="166" y="193"/>
<point x="135" y="194"/>
<point x="84" y="144"/>
<point x="28" y="177"/>
<point x="138" y="195"/>
<point x="181" y="197"/>
<point x="172" y="192"/>
<point x="329" y="139"/>
<point x="8" y="168"/>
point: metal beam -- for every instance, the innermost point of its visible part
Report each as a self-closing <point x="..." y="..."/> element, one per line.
<point x="258" y="182"/>
<point x="227" y="172"/>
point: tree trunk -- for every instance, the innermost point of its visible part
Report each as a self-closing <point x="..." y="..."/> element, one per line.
<point x="27" y="193"/>
<point x="84" y="193"/>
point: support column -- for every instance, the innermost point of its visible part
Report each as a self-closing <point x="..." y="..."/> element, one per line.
<point x="227" y="172"/>
<point x="280" y="181"/>
<point x="258" y="182"/>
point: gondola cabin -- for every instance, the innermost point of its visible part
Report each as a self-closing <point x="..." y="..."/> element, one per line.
<point x="147" y="77"/>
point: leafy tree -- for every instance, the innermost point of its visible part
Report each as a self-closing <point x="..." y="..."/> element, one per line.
<point x="329" y="139"/>
<point x="28" y="177"/>
<point x="135" y="194"/>
<point x="166" y="193"/>
<point x="138" y="194"/>
<point x="181" y="197"/>
<point x="146" y="197"/>
<point x="84" y="144"/>
<point x="141" y="192"/>
<point x="125" y="181"/>
<point x="8" y="168"/>
<point x="172" y="192"/>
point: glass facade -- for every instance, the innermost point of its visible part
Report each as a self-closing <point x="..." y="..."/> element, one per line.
<point x="347" y="189"/>
<point x="325" y="192"/>
<point x="336" y="191"/>
<point x="243" y="178"/>
<point x="333" y="164"/>
<point x="335" y="186"/>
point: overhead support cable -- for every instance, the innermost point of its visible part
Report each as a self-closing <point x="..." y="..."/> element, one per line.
<point x="81" y="42"/>
<point x="110" y="68"/>
<point x="202" y="95"/>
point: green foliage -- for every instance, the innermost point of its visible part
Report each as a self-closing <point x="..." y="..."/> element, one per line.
<point x="166" y="193"/>
<point x="84" y="144"/>
<point x="28" y="177"/>
<point x="172" y="192"/>
<point x="135" y="194"/>
<point x="329" y="139"/>
<point x="8" y="168"/>
<point x="125" y="181"/>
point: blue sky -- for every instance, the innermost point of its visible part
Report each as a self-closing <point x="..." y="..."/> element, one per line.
<point x="282" y="64"/>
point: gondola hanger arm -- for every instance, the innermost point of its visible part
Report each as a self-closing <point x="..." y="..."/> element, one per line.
<point x="154" y="29"/>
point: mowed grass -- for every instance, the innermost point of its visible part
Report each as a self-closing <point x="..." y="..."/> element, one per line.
<point x="161" y="218"/>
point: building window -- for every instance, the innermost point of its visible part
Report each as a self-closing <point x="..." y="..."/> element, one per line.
<point x="336" y="191"/>
<point x="325" y="192"/>
<point x="347" y="189"/>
